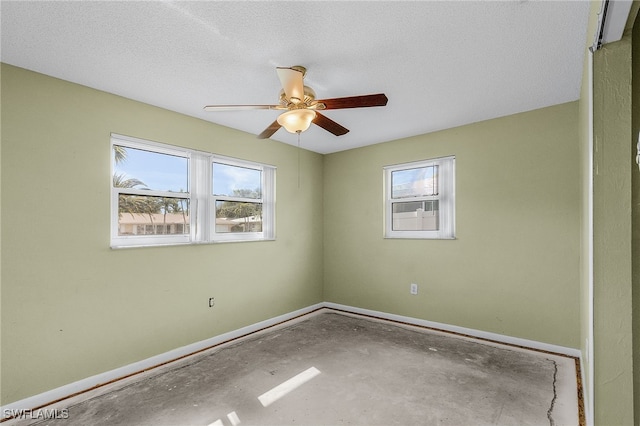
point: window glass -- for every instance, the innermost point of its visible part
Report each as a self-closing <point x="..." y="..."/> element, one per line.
<point x="416" y="182"/>
<point x="235" y="181"/>
<point x="153" y="170"/>
<point x="146" y="215"/>
<point x="416" y="216"/>
<point x="234" y="216"/>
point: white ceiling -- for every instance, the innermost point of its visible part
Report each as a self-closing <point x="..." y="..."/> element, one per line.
<point x="441" y="63"/>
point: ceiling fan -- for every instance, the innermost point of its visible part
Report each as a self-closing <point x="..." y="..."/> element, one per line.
<point x="301" y="107"/>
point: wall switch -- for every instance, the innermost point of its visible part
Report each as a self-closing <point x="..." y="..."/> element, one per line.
<point x="414" y="288"/>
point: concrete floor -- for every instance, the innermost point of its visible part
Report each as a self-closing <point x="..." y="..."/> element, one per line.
<point x="330" y="368"/>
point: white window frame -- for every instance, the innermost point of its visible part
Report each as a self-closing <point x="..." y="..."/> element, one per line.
<point x="446" y="199"/>
<point x="200" y="196"/>
<point x="267" y="200"/>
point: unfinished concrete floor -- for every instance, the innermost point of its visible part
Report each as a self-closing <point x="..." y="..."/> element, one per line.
<point x="331" y="368"/>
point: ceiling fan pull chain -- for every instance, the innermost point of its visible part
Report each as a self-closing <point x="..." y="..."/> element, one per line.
<point x="298" y="132"/>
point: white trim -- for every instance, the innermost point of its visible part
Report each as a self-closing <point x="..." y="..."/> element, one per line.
<point x="84" y="385"/>
<point x="88" y="383"/>
<point x="589" y="385"/>
<point x="615" y="20"/>
<point x="499" y="338"/>
<point x="145" y="145"/>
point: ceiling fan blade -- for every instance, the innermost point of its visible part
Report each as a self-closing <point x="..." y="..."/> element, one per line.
<point x="269" y="131"/>
<point x="355" y="101"/>
<point x="238" y="107"/>
<point x="329" y="125"/>
<point x="292" y="84"/>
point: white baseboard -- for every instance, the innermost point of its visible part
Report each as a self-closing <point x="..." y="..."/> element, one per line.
<point x="92" y="382"/>
<point x="500" y="338"/>
<point x="84" y="385"/>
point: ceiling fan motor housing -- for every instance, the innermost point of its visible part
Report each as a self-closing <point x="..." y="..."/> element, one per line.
<point x="293" y="103"/>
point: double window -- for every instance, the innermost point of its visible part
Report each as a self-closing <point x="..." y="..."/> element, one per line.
<point x="420" y="199"/>
<point x="162" y="194"/>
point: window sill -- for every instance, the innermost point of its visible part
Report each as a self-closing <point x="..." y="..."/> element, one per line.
<point x="203" y="243"/>
<point x="386" y="237"/>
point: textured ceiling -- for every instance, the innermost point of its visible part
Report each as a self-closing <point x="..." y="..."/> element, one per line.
<point x="441" y="63"/>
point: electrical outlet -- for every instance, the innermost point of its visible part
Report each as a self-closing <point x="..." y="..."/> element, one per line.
<point x="414" y="288"/>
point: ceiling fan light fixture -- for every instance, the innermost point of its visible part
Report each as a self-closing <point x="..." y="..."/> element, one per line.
<point x="300" y="104"/>
<point x="297" y="120"/>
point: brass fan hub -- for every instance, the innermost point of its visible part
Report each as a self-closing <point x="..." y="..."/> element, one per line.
<point x="308" y="101"/>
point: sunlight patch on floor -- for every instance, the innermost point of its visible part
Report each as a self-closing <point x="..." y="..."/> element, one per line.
<point x="284" y="388"/>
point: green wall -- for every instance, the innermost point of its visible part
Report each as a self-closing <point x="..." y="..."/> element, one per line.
<point x="71" y="306"/>
<point x="514" y="267"/>
<point x="612" y="158"/>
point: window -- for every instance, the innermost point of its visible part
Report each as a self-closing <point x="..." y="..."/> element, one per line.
<point x="238" y="199"/>
<point x="168" y="195"/>
<point x="420" y="199"/>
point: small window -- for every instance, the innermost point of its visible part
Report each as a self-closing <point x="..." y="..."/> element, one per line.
<point x="420" y="199"/>
<point x="169" y="195"/>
